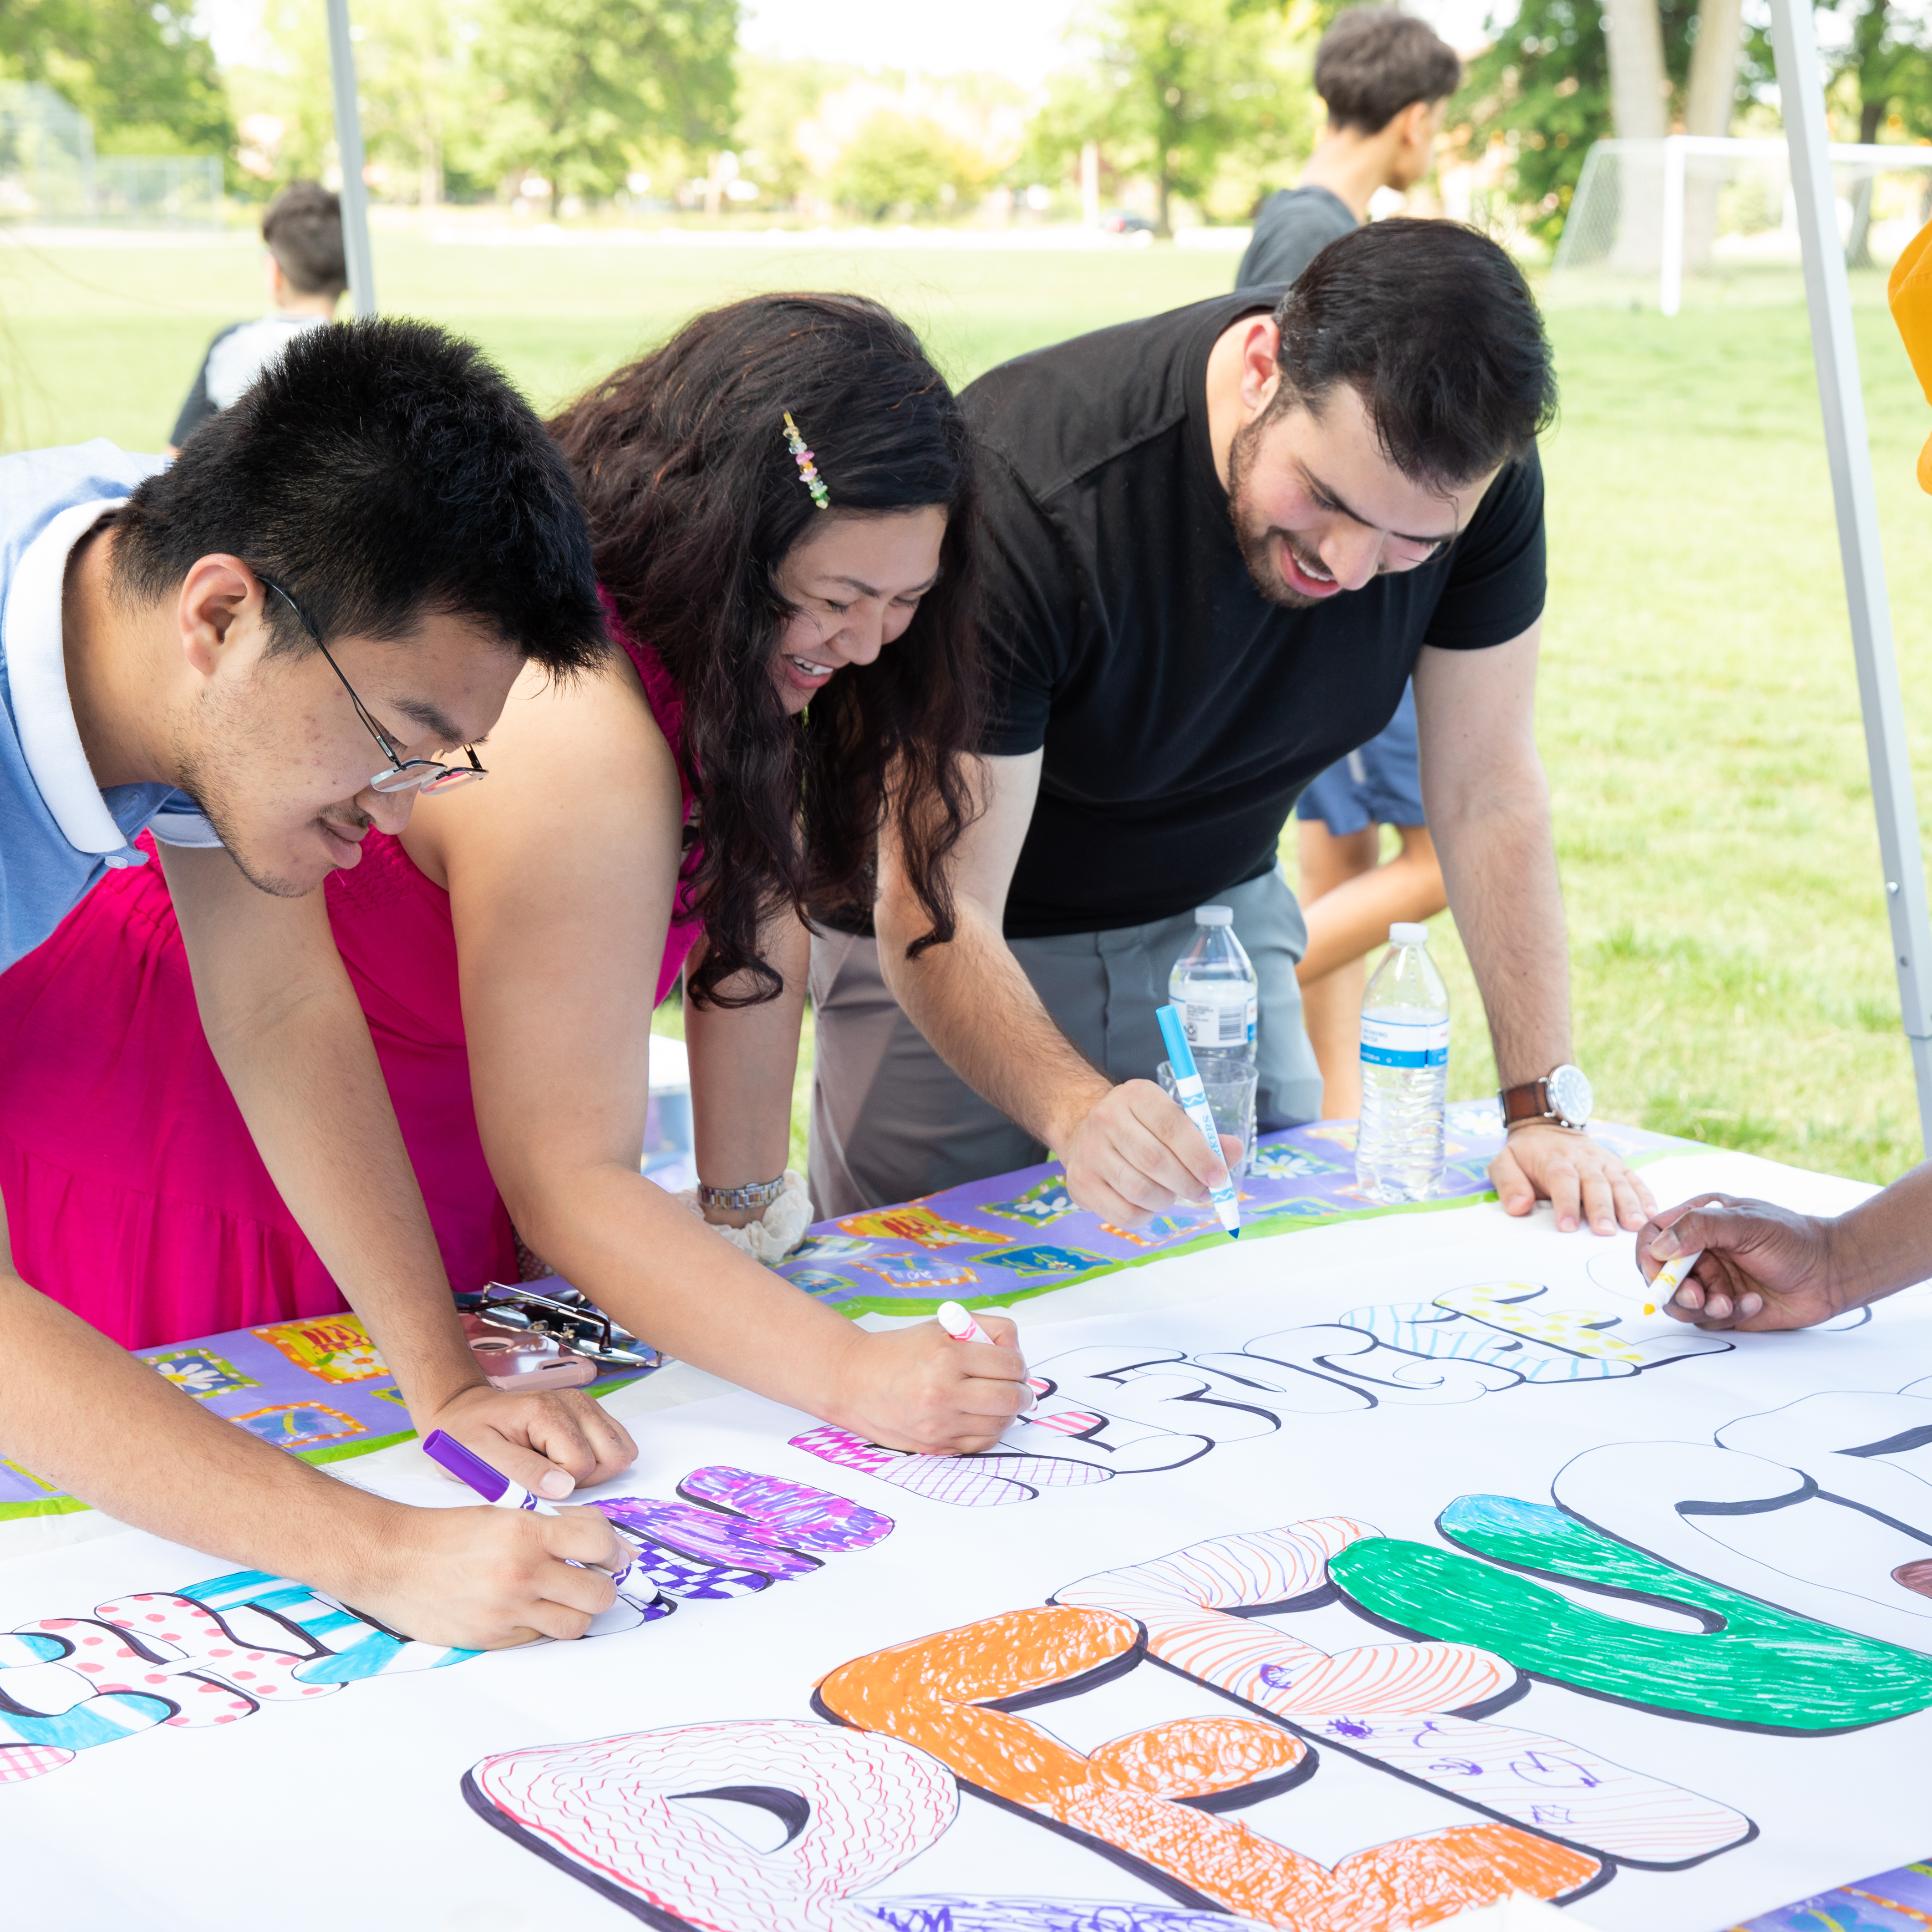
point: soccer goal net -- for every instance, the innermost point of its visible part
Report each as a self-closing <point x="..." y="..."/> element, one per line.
<point x="1666" y="212"/>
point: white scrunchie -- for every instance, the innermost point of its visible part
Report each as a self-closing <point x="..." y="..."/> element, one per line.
<point x="776" y="1231"/>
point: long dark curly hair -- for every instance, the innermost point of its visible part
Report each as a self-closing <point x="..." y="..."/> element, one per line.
<point x="693" y="501"/>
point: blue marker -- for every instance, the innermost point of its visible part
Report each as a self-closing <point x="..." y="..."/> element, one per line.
<point x="1193" y="1097"/>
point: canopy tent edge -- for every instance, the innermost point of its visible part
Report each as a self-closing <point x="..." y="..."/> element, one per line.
<point x="349" y="149"/>
<point x="1827" y="298"/>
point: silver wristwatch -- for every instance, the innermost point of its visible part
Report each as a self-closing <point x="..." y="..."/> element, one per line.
<point x="1562" y="1097"/>
<point x="758" y="1195"/>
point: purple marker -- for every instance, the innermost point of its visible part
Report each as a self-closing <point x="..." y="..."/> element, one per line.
<point x="492" y="1485"/>
<point x="496" y="1488"/>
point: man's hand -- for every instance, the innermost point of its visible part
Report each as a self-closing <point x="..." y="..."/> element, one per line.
<point x="552" y="1443"/>
<point x="1129" y="1150"/>
<point x="1136" y="1153"/>
<point x="481" y="1579"/>
<point x="1761" y="1268"/>
<point x="1580" y="1180"/>
<point x="919" y="1389"/>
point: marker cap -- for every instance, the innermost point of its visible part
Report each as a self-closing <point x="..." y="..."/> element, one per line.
<point x="1404" y="933"/>
<point x="1213" y="915"/>
<point x="466" y="1465"/>
<point x="1174" y="1032"/>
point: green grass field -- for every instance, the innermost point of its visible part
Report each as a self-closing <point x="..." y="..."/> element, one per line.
<point x="1698" y="714"/>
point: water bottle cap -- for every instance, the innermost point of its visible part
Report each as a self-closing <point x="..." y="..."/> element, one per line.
<point x="1403" y="933"/>
<point x="1213" y="915"/>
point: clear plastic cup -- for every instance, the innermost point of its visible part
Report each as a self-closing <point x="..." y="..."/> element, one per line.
<point x="1230" y="1087"/>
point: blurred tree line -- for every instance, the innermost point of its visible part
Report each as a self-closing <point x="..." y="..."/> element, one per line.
<point x="460" y="96"/>
<point x="456" y="95"/>
<point x="137" y="68"/>
<point x="1208" y="102"/>
<point x="1209" y="99"/>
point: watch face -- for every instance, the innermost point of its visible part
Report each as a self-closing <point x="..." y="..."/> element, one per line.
<point x="1570" y="1095"/>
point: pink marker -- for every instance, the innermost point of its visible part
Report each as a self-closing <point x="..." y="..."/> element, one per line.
<point x="958" y="1323"/>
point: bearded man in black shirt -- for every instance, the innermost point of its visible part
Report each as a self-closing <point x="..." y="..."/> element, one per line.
<point x="1218" y="543"/>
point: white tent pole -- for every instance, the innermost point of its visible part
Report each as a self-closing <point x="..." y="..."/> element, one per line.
<point x="348" y="148"/>
<point x="1828" y="295"/>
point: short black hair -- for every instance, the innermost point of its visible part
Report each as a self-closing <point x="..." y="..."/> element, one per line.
<point x="1433" y="326"/>
<point x="379" y="472"/>
<point x="1375" y="61"/>
<point x="303" y="228"/>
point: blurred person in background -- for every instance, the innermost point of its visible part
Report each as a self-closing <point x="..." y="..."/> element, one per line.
<point x="306" y="278"/>
<point x="1385" y="80"/>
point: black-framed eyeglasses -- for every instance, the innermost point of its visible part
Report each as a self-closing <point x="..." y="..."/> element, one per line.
<point x="424" y="775"/>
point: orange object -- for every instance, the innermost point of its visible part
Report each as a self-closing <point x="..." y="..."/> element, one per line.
<point x="920" y="1225"/>
<point x="337" y="1348"/>
<point x="1909" y="291"/>
<point x="933" y="1693"/>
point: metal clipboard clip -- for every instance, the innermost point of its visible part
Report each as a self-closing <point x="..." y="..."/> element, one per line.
<point x="506" y="1323"/>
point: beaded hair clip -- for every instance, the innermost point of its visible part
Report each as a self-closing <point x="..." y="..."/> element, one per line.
<point x="807" y="470"/>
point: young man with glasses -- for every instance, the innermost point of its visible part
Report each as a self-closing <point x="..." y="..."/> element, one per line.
<point x="261" y="652"/>
<point x="1219" y="542"/>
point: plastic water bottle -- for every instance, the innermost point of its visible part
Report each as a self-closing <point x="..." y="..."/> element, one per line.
<point x="1404" y="1073"/>
<point x="1214" y="985"/>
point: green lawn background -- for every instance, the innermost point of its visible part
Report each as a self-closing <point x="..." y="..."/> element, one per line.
<point x="1698" y="712"/>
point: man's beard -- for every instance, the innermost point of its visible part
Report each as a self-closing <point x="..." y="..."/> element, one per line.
<point x="1257" y="540"/>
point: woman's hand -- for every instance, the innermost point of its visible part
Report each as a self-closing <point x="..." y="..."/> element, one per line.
<point x="478" y="1579"/>
<point x="1761" y="1267"/>
<point x="918" y="1389"/>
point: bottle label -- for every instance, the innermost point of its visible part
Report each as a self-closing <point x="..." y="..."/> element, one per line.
<point x="1405" y="1042"/>
<point x="1215" y="1025"/>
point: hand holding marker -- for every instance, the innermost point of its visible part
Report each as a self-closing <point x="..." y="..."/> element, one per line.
<point x="1193" y="1097"/>
<point x="954" y="1318"/>
<point x="1670" y="1278"/>
<point x="494" y="1487"/>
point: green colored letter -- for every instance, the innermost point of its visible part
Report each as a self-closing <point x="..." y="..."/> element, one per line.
<point x="1754" y="1666"/>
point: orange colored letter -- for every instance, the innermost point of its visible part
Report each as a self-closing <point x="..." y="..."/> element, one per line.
<point x="1126" y="1797"/>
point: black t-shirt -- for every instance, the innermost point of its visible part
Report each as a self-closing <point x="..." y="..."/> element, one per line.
<point x="1294" y="226"/>
<point x="1181" y="712"/>
<point x="199" y="409"/>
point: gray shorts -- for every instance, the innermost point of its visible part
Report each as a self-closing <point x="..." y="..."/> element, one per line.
<point x="890" y="1120"/>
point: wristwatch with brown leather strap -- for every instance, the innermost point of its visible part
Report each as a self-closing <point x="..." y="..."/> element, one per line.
<point x="1562" y="1097"/>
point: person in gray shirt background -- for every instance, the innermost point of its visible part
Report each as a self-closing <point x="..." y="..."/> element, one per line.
<point x="1385" y="79"/>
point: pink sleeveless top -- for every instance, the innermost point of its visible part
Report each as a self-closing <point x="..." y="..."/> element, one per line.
<point x="134" y="1193"/>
